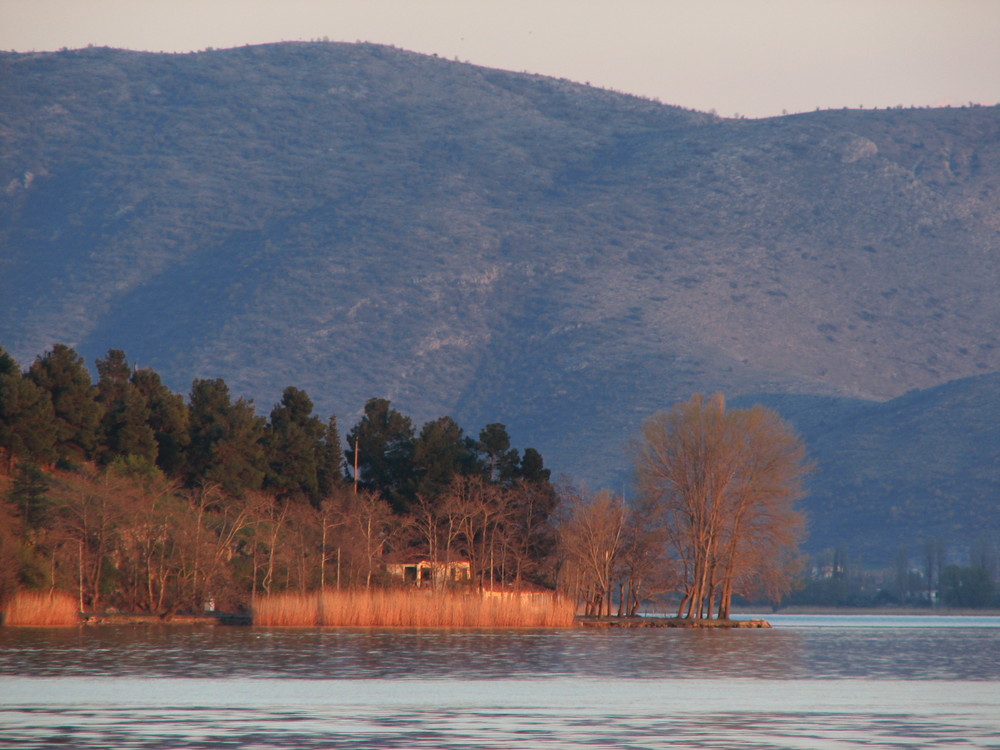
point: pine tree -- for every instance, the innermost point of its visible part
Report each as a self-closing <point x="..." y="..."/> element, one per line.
<point x="294" y="447"/>
<point x="30" y="494"/>
<point x="28" y="427"/>
<point x="112" y="377"/>
<point x="532" y="468"/>
<point x="226" y="439"/>
<point x="441" y="452"/>
<point x="384" y="440"/>
<point x="331" y="464"/>
<point x="127" y="430"/>
<point x="168" y="418"/>
<point x="62" y="374"/>
<point x="8" y="365"/>
<point x="500" y="460"/>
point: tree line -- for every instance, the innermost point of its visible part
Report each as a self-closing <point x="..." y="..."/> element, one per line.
<point x="137" y="499"/>
<point x="142" y="500"/>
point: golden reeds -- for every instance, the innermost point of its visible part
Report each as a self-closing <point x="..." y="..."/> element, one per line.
<point x="41" y="609"/>
<point x="415" y="609"/>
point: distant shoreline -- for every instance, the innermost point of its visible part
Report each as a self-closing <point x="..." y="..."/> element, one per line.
<point x="874" y="611"/>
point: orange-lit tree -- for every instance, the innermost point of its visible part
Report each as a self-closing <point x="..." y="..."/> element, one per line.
<point x="724" y="484"/>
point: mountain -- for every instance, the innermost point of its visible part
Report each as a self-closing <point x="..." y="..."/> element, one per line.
<point x="890" y="475"/>
<point x="360" y="221"/>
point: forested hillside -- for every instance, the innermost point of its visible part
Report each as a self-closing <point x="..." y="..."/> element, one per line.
<point x="360" y="221"/>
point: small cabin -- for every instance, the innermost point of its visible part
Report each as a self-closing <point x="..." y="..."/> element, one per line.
<point x="421" y="571"/>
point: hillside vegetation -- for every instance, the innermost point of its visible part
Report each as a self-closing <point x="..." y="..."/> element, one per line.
<point x="362" y="221"/>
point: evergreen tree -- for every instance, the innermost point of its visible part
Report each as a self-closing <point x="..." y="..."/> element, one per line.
<point x="499" y="459"/>
<point x="532" y="468"/>
<point x="294" y="447"/>
<point x="440" y="452"/>
<point x="168" y="418"/>
<point x="209" y="405"/>
<point x="27" y="421"/>
<point x="383" y="439"/>
<point x="30" y="494"/>
<point x="112" y="377"/>
<point x="226" y="439"/>
<point x="127" y="430"/>
<point x="62" y="374"/>
<point x="8" y="365"/>
<point x="331" y="463"/>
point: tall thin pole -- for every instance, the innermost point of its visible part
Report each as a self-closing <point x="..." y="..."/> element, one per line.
<point x="81" y="576"/>
<point x="322" y="564"/>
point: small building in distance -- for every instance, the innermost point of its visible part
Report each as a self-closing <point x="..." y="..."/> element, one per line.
<point x="420" y="571"/>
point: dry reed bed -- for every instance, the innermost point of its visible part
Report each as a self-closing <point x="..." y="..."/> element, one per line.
<point x="414" y="609"/>
<point x="40" y="609"/>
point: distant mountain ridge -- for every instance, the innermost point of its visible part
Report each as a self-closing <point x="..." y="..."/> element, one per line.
<point x="362" y="221"/>
<point x="888" y="475"/>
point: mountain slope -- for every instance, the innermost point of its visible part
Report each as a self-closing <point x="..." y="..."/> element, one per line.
<point x="358" y="220"/>
<point x="889" y="475"/>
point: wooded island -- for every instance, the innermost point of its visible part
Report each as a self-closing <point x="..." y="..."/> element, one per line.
<point x="126" y="497"/>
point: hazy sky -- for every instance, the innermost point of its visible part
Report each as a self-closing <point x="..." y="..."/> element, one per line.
<point x="752" y="57"/>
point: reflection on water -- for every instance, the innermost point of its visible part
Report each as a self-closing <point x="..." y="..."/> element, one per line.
<point x="870" y="653"/>
<point x="794" y="687"/>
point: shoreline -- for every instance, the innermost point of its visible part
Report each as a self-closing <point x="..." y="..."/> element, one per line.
<point x="125" y="618"/>
<point x="749" y="618"/>
<point x="590" y="621"/>
<point x="805" y="609"/>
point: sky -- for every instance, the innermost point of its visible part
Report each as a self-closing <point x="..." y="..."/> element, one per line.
<point x="754" y="58"/>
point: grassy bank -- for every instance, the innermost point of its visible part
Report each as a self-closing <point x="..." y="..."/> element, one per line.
<point x="414" y="609"/>
<point x="39" y="609"/>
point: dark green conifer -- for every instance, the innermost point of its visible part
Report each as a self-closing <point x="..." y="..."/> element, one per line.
<point x="294" y="447"/>
<point x="29" y="494"/>
<point x="62" y="374"/>
<point x="499" y="459"/>
<point x="168" y="418"/>
<point x="532" y="467"/>
<point x="331" y="464"/>
<point x="227" y="439"/>
<point x="383" y="439"/>
<point x="8" y="365"/>
<point x="441" y="452"/>
<point x="127" y="428"/>
<point x="28" y="428"/>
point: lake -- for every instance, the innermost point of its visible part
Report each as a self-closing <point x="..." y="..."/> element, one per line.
<point x="811" y="682"/>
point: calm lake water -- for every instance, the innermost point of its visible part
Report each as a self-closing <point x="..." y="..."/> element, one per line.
<point x="811" y="682"/>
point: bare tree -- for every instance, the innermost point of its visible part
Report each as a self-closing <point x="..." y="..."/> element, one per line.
<point x="367" y="515"/>
<point x="92" y="510"/>
<point x="726" y="483"/>
<point x="226" y="529"/>
<point x="147" y="563"/>
<point x="530" y="536"/>
<point x="425" y="524"/>
<point x="647" y="569"/>
<point x="592" y="540"/>
<point x="269" y="529"/>
<point x="474" y="512"/>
